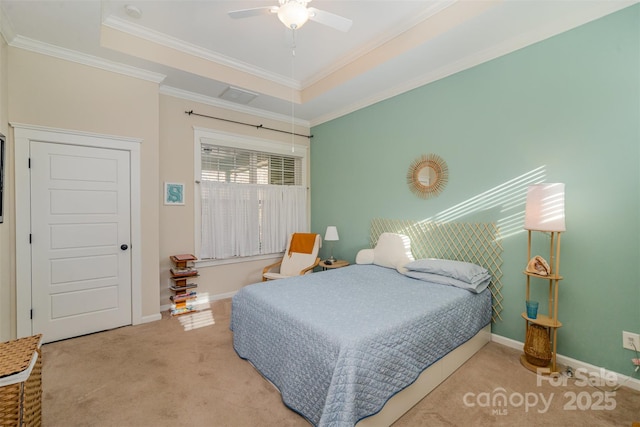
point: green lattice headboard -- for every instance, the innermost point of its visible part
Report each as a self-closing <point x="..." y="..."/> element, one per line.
<point x="478" y="243"/>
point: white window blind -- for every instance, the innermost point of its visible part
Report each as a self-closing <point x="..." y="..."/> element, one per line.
<point x="237" y="165"/>
<point x="250" y="201"/>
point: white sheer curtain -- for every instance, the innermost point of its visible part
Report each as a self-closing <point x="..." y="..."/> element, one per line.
<point x="249" y="219"/>
<point x="284" y="211"/>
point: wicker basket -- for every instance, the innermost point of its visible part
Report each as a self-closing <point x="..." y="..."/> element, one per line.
<point x="537" y="346"/>
<point x="21" y="394"/>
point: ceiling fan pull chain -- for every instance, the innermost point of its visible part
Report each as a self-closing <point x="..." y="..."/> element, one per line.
<point x="293" y="108"/>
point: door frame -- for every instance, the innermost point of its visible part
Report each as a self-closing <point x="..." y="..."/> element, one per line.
<point x="23" y="134"/>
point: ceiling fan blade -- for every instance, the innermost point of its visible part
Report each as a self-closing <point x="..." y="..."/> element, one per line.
<point x="330" y="19"/>
<point x="247" y="13"/>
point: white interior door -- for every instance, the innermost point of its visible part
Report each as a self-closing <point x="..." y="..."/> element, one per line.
<point x="80" y="238"/>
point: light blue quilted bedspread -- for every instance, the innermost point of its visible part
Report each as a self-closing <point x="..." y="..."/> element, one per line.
<point x="339" y="343"/>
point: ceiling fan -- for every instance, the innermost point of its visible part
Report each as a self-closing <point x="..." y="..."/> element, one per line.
<point x="295" y="13"/>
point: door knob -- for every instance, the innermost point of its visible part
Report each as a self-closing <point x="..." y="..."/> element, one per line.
<point x="124" y="247"/>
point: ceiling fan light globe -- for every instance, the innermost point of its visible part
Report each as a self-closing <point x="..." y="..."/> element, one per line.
<point x="293" y="15"/>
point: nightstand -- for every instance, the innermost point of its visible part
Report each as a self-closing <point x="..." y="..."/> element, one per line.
<point x="335" y="264"/>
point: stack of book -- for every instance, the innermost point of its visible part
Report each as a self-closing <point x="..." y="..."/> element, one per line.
<point x="183" y="272"/>
<point x="184" y="291"/>
<point x="182" y="261"/>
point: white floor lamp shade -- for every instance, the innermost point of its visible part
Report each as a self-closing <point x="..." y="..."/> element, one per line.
<point x="545" y="207"/>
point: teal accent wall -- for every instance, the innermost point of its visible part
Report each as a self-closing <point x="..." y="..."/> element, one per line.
<point x="566" y="109"/>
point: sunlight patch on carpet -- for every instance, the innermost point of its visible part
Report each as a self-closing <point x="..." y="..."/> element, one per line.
<point x="196" y="320"/>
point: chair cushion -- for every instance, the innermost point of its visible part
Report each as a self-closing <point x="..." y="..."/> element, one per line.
<point x="274" y="276"/>
<point x="294" y="264"/>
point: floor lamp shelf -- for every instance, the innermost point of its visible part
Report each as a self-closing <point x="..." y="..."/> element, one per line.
<point x="542" y="329"/>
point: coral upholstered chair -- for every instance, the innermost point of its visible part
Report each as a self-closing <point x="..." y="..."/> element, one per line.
<point x="300" y="257"/>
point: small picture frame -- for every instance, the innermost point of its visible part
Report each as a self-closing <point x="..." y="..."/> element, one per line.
<point x="173" y="193"/>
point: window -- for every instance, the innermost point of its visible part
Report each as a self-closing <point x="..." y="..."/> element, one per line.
<point x="241" y="166"/>
<point x="252" y="196"/>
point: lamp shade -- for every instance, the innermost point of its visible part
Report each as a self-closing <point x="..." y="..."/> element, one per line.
<point x="545" y="207"/>
<point x="331" y="234"/>
<point x="293" y="14"/>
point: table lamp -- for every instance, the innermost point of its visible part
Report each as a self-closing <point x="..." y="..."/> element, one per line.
<point x="331" y="235"/>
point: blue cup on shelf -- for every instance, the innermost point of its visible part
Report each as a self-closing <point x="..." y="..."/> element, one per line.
<point x="532" y="309"/>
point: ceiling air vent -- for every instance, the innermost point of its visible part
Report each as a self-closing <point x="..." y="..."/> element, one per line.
<point x="236" y="95"/>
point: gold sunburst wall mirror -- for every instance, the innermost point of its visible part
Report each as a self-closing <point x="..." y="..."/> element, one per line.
<point x="427" y="175"/>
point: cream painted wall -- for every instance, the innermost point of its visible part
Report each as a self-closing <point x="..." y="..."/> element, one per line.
<point x="6" y="228"/>
<point x="177" y="165"/>
<point x="51" y="92"/>
<point x="41" y="90"/>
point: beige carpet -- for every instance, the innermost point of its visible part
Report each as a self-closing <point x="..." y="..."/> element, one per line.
<point x="184" y="372"/>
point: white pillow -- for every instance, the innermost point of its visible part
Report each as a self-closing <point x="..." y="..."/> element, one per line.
<point x="364" y="256"/>
<point x="393" y="251"/>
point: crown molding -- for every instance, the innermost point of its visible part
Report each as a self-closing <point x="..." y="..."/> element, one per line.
<point x="197" y="51"/>
<point x="36" y="46"/>
<point x="378" y="42"/>
<point x="216" y="102"/>
<point x="506" y="47"/>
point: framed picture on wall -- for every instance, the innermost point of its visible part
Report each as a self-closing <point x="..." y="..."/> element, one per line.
<point x="173" y="193"/>
<point x="2" y="163"/>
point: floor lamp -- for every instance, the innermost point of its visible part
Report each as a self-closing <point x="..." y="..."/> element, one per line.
<point x="544" y="212"/>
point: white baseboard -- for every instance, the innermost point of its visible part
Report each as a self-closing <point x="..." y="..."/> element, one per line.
<point x="151" y="318"/>
<point x="630" y="382"/>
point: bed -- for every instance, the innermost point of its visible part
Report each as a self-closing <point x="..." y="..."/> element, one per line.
<point x="361" y="344"/>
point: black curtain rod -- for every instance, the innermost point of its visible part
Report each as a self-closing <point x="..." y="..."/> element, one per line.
<point x="248" y="124"/>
